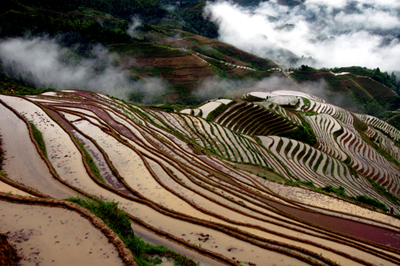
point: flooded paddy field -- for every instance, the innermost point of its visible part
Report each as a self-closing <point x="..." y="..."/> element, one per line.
<point x="196" y="186"/>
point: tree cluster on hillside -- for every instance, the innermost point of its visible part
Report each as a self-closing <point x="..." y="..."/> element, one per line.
<point x="147" y="9"/>
<point x="192" y="14"/>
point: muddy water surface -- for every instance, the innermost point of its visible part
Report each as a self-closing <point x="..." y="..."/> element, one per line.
<point x="23" y="163"/>
<point x="55" y="236"/>
<point x="6" y="188"/>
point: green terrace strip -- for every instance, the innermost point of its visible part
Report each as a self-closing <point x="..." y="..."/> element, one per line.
<point x="306" y="101"/>
<point x="301" y="133"/>
<point x="219" y="110"/>
<point x="1" y="154"/>
<point x="383" y="191"/>
<point x="90" y="162"/>
<point x="340" y="191"/>
<point x="10" y="84"/>
<point x="39" y="138"/>
<point x="145" y="254"/>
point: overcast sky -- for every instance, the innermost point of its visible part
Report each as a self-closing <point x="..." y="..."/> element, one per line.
<point x="334" y="33"/>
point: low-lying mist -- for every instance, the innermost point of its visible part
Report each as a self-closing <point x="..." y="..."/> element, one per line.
<point x="219" y="87"/>
<point x="42" y="62"/>
<point x="321" y="33"/>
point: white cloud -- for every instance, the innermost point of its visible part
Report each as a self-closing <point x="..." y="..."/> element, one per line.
<point x="132" y="27"/>
<point x="334" y="33"/>
<point x="46" y="62"/>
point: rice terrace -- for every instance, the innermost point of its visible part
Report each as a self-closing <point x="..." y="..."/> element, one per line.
<point x="199" y="133"/>
<point x="224" y="187"/>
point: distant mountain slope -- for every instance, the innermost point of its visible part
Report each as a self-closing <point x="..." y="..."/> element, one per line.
<point x="354" y="88"/>
<point x="160" y="46"/>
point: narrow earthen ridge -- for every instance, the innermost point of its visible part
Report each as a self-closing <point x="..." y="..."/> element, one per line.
<point x="123" y="251"/>
<point x="27" y="189"/>
<point x="233" y="185"/>
<point x="8" y="255"/>
<point x="140" y="200"/>
<point x="120" y="141"/>
<point x="85" y="213"/>
<point x="49" y="165"/>
<point x="222" y="229"/>
<point x="190" y="219"/>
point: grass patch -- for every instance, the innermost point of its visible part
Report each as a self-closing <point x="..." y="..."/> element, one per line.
<point x="4" y="174"/>
<point x="307" y="102"/>
<point x="384" y="192"/>
<point x="372" y="202"/>
<point x="89" y="160"/>
<point x="219" y="110"/>
<point x="39" y="138"/>
<point x="145" y="254"/>
<point x="329" y="189"/>
<point x="303" y="133"/>
<point x="1" y="154"/>
<point x="341" y="192"/>
<point x="260" y="171"/>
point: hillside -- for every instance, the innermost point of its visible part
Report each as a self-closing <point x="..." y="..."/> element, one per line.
<point x="216" y="188"/>
<point x="354" y="88"/>
<point x="160" y="46"/>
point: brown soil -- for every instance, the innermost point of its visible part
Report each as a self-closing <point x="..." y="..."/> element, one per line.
<point x="172" y="97"/>
<point x="177" y="42"/>
<point x="193" y="72"/>
<point x="237" y="61"/>
<point x="237" y="71"/>
<point x="175" y="62"/>
<point x="201" y="39"/>
<point x="65" y="215"/>
<point x="8" y="255"/>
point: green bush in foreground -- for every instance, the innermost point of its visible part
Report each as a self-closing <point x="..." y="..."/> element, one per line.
<point x="120" y="223"/>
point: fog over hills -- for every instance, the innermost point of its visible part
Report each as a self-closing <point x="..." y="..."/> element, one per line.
<point x="333" y="33"/>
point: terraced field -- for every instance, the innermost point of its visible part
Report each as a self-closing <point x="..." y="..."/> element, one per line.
<point x="214" y="183"/>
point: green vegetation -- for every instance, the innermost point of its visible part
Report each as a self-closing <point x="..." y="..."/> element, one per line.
<point x="395" y="121"/>
<point x="219" y="110"/>
<point x="192" y="13"/>
<point x="362" y="90"/>
<point x="1" y="154"/>
<point x="303" y="133"/>
<point x="329" y="189"/>
<point x="306" y="102"/>
<point x="39" y="138"/>
<point x="383" y="191"/>
<point x="341" y="192"/>
<point x="148" y="9"/>
<point x="89" y="160"/>
<point x="120" y="223"/>
<point x="260" y="171"/>
<point x="165" y="107"/>
<point x="337" y="133"/>
<point x="372" y="202"/>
